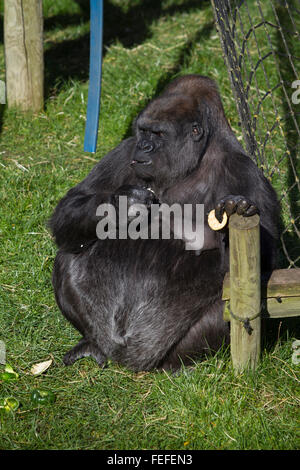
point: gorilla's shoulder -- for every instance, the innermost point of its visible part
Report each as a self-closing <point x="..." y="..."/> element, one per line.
<point x="121" y="151"/>
<point x="113" y="167"/>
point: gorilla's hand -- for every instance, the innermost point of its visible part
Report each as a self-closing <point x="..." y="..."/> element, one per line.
<point x="135" y="195"/>
<point x="238" y="204"/>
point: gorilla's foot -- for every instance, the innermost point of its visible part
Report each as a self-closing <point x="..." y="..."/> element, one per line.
<point x="83" y="349"/>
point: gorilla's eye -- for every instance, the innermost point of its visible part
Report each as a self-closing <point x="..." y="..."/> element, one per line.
<point x="197" y="132"/>
<point x="150" y="131"/>
<point x="158" y="133"/>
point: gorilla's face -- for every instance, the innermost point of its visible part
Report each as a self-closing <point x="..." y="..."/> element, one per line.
<point x="171" y="137"/>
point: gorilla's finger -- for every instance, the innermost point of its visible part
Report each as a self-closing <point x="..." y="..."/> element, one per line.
<point x="252" y="210"/>
<point x="242" y="206"/>
<point x="219" y="210"/>
<point x="230" y="206"/>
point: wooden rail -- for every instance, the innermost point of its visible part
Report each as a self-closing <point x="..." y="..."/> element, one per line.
<point x="249" y="296"/>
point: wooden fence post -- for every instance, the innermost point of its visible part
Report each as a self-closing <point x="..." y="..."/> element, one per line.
<point x="245" y="291"/>
<point x="24" y="63"/>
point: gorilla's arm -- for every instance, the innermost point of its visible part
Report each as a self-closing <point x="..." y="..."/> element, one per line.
<point x="74" y="220"/>
<point x="243" y="177"/>
<point x="222" y="176"/>
<point x="248" y="180"/>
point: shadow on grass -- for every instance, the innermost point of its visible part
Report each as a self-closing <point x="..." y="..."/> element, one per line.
<point x="70" y="59"/>
<point x="275" y="330"/>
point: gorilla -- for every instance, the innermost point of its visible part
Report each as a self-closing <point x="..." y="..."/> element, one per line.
<point x="151" y="303"/>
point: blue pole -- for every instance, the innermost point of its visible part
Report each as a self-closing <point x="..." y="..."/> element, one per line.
<point x="93" y="106"/>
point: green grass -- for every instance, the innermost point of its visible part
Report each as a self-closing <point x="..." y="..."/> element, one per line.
<point x="208" y="408"/>
<point x="41" y="158"/>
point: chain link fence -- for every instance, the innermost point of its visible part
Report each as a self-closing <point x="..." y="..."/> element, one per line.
<point x="261" y="45"/>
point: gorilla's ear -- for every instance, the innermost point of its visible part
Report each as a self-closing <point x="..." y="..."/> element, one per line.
<point x="197" y="132"/>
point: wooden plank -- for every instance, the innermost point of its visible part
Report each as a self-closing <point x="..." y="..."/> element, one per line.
<point x="281" y="283"/>
<point x="283" y="307"/>
<point x="245" y="293"/>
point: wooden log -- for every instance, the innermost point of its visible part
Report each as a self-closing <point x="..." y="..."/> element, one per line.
<point x="23" y="41"/>
<point x="245" y="292"/>
<point x="281" y="307"/>
<point x="279" y="283"/>
<point x="280" y="292"/>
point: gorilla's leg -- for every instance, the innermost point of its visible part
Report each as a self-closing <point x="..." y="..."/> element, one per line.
<point x="83" y="349"/>
<point x="205" y="337"/>
<point x="71" y="303"/>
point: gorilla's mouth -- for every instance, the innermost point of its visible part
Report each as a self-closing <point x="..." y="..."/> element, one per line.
<point x="136" y="162"/>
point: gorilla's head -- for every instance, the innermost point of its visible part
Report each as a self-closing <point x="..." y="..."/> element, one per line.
<point x="173" y="132"/>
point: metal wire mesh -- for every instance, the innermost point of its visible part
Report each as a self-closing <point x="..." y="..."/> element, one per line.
<point x="261" y="45"/>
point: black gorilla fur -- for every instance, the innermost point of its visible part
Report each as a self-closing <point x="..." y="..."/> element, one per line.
<point x="150" y="303"/>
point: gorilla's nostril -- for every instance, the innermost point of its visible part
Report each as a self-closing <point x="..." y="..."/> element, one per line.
<point x="146" y="146"/>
